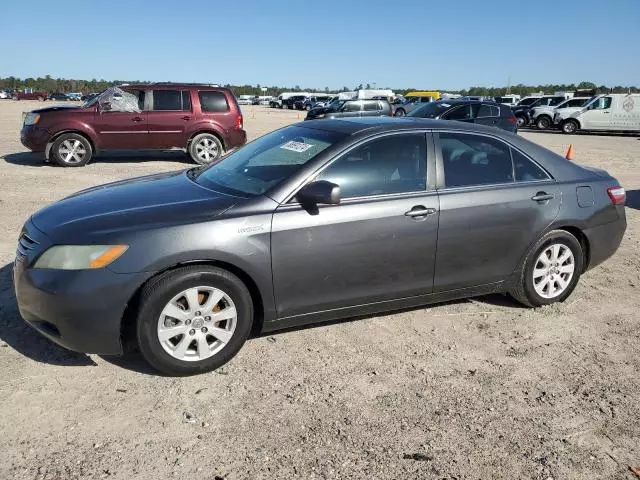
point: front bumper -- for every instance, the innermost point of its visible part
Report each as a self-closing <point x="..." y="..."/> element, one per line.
<point x="81" y="310"/>
<point x="34" y="138"/>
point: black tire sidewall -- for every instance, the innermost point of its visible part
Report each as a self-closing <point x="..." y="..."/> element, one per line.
<point x="71" y="136"/>
<point x="400" y="113"/>
<point x="164" y="290"/>
<point x="192" y="148"/>
<point x="573" y="244"/>
<point x="575" y="129"/>
<point x="543" y="123"/>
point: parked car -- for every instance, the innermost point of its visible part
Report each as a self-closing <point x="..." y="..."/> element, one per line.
<point x="4" y="94"/>
<point x="618" y="112"/>
<point x="523" y="112"/>
<point x="411" y="102"/>
<point x="290" y="102"/>
<point x="351" y="108"/>
<point x="89" y="96"/>
<point x="313" y="222"/>
<point x="204" y="120"/>
<point x="58" y="96"/>
<point x="542" y="117"/>
<point x="29" y="95"/>
<point x="276" y="102"/>
<point x="508" y="99"/>
<point x="75" y="96"/>
<point x="245" y="99"/>
<point x="483" y="113"/>
<point x="313" y="102"/>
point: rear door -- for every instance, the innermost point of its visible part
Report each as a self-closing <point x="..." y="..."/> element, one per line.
<point x="487" y="115"/>
<point x="118" y="126"/>
<point x="462" y="113"/>
<point x="372" y="108"/>
<point x="494" y="202"/>
<point x="169" y="118"/>
<point x="351" y="109"/>
<point x="378" y="244"/>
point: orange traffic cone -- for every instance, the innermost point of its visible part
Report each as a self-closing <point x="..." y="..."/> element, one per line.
<point x="569" y="155"/>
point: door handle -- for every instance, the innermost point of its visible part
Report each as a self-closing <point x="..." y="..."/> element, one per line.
<point x="420" y="211"/>
<point x="542" y="197"/>
<point x="186" y="117"/>
<point x="136" y="119"/>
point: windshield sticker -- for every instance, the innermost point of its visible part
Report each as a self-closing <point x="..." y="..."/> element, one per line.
<point x="296" y="146"/>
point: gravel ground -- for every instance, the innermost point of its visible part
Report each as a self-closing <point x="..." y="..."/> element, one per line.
<point x="465" y="390"/>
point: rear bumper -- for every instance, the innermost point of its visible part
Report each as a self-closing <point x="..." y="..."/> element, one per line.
<point x="236" y="138"/>
<point x="34" y="138"/>
<point x="604" y="240"/>
<point x="79" y="310"/>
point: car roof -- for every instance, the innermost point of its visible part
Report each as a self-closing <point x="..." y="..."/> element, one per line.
<point x="173" y="85"/>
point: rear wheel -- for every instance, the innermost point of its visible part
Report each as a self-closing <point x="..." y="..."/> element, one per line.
<point x="205" y="148"/>
<point x="550" y="271"/>
<point x="41" y="99"/>
<point x="307" y="108"/>
<point x="570" y="126"/>
<point x="71" y="150"/>
<point x="543" y="122"/>
<point x="522" y="121"/>
<point x="400" y="113"/>
<point x="193" y="320"/>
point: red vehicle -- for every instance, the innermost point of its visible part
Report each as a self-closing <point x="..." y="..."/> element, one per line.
<point x="204" y="120"/>
<point x="30" y="95"/>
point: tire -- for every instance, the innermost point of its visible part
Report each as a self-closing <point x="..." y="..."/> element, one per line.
<point x="522" y="121"/>
<point x="527" y="289"/>
<point x="399" y="113"/>
<point x="285" y="107"/>
<point x="543" y="122"/>
<point x="307" y="108"/>
<point x="41" y="99"/>
<point x="71" y="150"/>
<point x="157" y="296"/>
<point x="205" y="149"/>
<point x="570" y="126"/>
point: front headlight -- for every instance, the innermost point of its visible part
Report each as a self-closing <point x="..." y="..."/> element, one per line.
<point x="31" y="118"/>
<point x="79" y="257"/>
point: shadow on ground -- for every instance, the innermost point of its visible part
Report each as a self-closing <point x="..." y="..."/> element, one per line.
<point x="24" y="339"/>
<point x="30" y="159"/>
<point x="633" y="199"/>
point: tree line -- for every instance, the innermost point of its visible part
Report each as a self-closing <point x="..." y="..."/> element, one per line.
<point x="64" y="85"/>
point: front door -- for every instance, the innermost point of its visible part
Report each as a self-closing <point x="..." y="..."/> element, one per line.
<point x="598" y="115"/>
<point x="378" y="244"/>
<point x="351" y="109"/>
<point x="488" y="218"/>
<point x="169" y="118"/>
<point x="118" y="125"/>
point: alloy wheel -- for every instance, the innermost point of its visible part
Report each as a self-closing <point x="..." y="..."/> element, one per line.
<point x="72" y="151"/>
<point x="207" y="150"/>
<point x="553" y="271"/>
<point x="197" y="323"/>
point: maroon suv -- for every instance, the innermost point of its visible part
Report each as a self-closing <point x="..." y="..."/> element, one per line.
<point x="205" y="120"/>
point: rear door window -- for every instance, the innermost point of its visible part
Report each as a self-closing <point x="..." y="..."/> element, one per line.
<point x="460" y="113"/>
<point x="470" y="159"/>
<point x="352" y="107"/>
<point x="213" y="102"/>
<point x="525" y="169"/>
<point x="372" y="106"/>
<point x="488" y="111"/>
<point x="168" y="100"/>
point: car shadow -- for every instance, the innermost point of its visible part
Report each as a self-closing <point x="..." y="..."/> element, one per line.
<point x="16" y="334"/>
<point x="633" y="199"/>
<point x="31" y="159"/>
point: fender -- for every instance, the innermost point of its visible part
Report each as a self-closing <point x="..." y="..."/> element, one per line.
<point x="207" y="126"/>
<point x="75" y="126"/>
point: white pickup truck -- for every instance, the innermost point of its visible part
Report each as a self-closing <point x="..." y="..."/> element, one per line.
<point x="543" y="116"/>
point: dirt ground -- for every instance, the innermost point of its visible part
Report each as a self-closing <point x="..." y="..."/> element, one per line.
<point x="473" y="389"/>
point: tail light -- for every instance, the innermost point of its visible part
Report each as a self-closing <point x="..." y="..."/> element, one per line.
<point x="238" y="124"/>
<point x="512" y="120"/>
<point x="617" y="195"/>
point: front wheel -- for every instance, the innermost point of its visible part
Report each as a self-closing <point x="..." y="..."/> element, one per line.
<point x="522" y="121"/>
<point x="205" y="148"/>
<point x="193" y="320"/>
<point x="400" y="113"/>
<point x="570" y="126"/>
<point x="71" y="150"/>
<point x="550" y="271"/>
<point x="543" y="122"/>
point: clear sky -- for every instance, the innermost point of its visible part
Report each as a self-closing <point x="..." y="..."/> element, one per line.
<point x="411" y="43"/>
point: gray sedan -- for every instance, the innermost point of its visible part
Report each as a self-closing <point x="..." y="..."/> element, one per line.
<point x="317" y="221"/>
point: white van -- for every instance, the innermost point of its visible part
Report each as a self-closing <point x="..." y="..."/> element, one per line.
<point x="618" y="112"/>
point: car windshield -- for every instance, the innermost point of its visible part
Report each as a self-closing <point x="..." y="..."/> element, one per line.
<point x="91" y="101"/>
<point x="430" y="110"/>
<point x="335" y="104"/>
<point x="266" y="162"/>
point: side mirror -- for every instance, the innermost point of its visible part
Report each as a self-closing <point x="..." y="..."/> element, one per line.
<point x="320" y="192"/>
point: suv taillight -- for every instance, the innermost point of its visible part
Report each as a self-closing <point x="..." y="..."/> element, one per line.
<point x="238" y="124"/>
<point x="617" y="195"/>
<point x="512" y="120"/>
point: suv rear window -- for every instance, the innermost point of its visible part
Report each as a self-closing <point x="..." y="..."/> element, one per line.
<point x="372" y="106"/>
<point x="171" y="100"/>
<point x="214" y="102"/>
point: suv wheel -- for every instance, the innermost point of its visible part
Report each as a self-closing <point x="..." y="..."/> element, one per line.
<point x="543" y="122"/>
<point x="521" y="121"/>
<point x="550" y="271"/>
<point x="570" y="126"/>
<point x="205" y="149"/>
<point x="307" y="108"/>
<point x="400" y="113"/>
<point x="71" y="150"/>
<point x="193" y="320"/>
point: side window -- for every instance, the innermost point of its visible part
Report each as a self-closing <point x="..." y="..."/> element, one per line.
<point x="167" y="100"/>
<point x="372" y="106"/>
<point x="488" y="111"/>
<point x="525" y="169"/>
<point x="574" y="103"/>
<point x="602" y="103"/>
<point x="475" y="160"/>
<point x="352" y="107"/>
<point x="460" y="113"/>
<point x="556" y="100"/>
<point x="213" y="102"/>
<point x="391" y="164"/>
<point x="186" y="100"/>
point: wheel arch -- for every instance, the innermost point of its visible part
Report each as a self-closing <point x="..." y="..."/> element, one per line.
<point x="55" y="136"/>
<point x="128" y="321"/>
<point x="207" y="129"/>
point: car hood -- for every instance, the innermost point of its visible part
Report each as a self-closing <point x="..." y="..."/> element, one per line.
<point x="55" y="108"/>
<point x="153" y="201"/>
